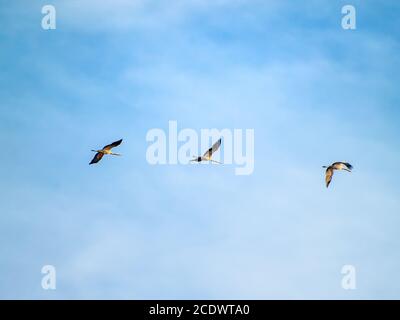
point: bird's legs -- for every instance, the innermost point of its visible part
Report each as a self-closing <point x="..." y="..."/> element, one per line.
<point x="200" y="159"/>
<point x="215" y="161"/>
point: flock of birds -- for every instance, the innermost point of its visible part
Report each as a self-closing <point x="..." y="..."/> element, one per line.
<point x="207" y="156"/>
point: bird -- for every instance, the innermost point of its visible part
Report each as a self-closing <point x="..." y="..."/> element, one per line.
<point x="335" y="166"/>
<point x="106" y="150"/>
<point x="208" y="154"/>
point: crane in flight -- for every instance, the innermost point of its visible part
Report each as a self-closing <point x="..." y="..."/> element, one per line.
<point x="335" y="166"/>
<point x="208" y="154"/>
<point x="106" y="150"/>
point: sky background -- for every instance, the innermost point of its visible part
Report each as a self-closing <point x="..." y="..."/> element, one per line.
<point x="313" y="93"/>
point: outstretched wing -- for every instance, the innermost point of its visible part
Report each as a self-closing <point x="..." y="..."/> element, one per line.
<point x="213" y="149"/>
<point x="112" y="145"/>
<point x="328" y="176"/>
<point x="342" y="166"/>
<point x="348" y="165"/>
<point x="97" y="157"/>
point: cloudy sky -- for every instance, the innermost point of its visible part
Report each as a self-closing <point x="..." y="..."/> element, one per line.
<point x="124" y="229"/>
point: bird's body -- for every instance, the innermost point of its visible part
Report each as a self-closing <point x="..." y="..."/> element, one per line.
<point x="335" y="166"/>
<point x="208" y="154"/>
<point x="106" y="150"/>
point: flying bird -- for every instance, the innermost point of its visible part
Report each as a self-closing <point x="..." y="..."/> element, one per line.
<point x="106" y="150"/>
<point x="208" y="154"/>
<point x="335" y="166"/>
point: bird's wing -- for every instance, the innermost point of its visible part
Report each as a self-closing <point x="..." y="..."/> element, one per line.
<point x="112" y="145"/>
<point x="348" y="165"/>
<point x="97" y="157"/>
<point x="328" y="176"/>
<point x="342" y="165"/>
<point x="213" y="149"/>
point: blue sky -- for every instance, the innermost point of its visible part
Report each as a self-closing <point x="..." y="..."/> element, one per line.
<point x="313" y="92"/>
